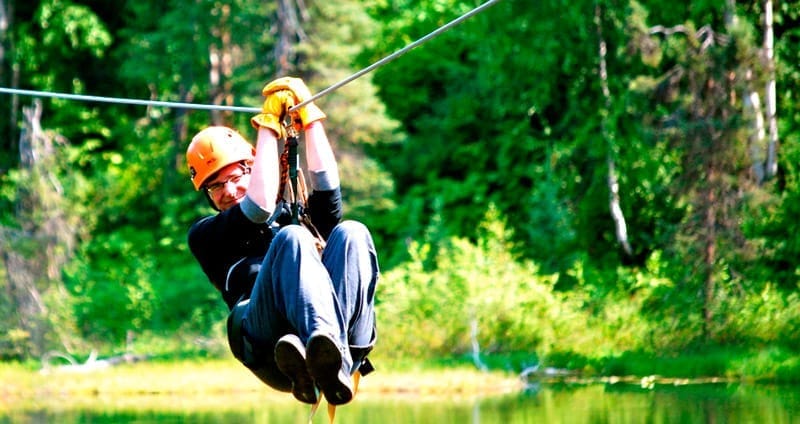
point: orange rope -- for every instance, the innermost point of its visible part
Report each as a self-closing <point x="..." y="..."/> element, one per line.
<point x="332" y="408"/>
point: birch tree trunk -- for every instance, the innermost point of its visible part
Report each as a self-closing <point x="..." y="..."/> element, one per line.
<point x="752" y="103"/>
<point x="620" y="226"/>
<point x="772" y="119"/>
<point x="764" y="133"/>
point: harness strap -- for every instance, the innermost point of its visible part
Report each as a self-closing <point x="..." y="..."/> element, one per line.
<point x="291" y="147"/>
<point x="289" y="178"/>
<point x="293" y="188"/>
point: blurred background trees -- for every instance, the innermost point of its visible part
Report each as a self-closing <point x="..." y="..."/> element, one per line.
<point x="488" y="163"/>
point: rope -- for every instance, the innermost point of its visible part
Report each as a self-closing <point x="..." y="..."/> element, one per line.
<point x="178" y="105"/>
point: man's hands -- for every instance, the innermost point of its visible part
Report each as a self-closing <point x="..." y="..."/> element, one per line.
<point x="273" y="108"/>
<point x="299" y="93"/>
<point x="280" y="95"/>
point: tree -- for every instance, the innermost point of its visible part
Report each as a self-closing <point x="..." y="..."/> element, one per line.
<point x="615" y="209"/>
<point x="702" y="119"/>
<point x="35" y="250"/>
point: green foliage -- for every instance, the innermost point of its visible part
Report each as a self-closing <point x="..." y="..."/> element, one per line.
<point x="428" y="306"/>
<point x="761" y="318"/>
<point x="115" y="289"/>
<point x="688" y="366"/>
<point x="479" y="161"/>
<point x="769" y="364"/>
<point x="129" y="282"/>
<point x="761" y="364"/>
<point x="495" y="119"/>
<point x="70" y="28"/>
<point x="63" y="32"/>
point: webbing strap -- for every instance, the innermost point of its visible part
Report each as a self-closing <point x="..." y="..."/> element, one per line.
<point x="291" y="147"/>
<point x="284" y="167"/>
<point x="314" y="408"/>
<point x="289" y="177"/>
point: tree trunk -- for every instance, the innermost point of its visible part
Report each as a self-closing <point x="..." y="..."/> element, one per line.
<point x="772" y="119"/>
<point x="221" y="69"/>
<point x="289" y="33"/>
<point x="621" y="229"/>
<point x="709" y="255"/>
<point x="730" y="13"/>
<point x="21" y="249"/>
<point x="752" y="102"/>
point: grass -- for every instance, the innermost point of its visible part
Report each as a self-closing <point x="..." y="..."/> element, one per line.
<point x="765" y="365"/>
<point x="200" y="378"/>
<point x="165" y="379"/>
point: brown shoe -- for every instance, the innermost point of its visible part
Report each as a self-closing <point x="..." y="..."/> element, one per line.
<point x="290" y="356"/>
<point x="325" y="364"/>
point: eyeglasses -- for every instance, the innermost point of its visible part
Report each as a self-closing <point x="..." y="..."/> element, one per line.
<point x="216" y="188"/>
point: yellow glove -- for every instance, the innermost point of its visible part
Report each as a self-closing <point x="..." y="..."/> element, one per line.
<point x="308" y="113"/>
<point x="271" y="111"/>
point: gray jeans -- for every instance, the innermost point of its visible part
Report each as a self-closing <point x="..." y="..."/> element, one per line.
<point x="299" y="292"/>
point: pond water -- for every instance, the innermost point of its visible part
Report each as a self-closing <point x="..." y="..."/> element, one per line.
<point x="596" y="403"/>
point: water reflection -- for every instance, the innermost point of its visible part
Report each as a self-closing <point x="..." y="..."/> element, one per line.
<point x="612" y="403"/>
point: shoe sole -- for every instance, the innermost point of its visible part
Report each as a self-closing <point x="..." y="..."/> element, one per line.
<point x="291" y="362"/>
<point x="325" y="365"/>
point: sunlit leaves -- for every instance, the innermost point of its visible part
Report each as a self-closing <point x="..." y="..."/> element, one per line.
<point x="73" y="27"/>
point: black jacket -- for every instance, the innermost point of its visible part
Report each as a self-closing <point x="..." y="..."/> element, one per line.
<point x="230" y="247"/>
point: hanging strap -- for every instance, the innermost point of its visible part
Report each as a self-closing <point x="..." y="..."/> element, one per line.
<point x="291" y="147"/>
<point x="289" y="179"/>
<point x="289" y="168"/>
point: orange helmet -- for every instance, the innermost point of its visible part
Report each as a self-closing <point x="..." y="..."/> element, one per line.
<point x="213" y="149"/>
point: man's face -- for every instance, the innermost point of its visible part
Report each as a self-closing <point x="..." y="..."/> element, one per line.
<point x="229" y="186"/>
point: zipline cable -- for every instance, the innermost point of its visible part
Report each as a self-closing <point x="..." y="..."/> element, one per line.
<point x="174" y="105"/>
<point x="179" y="105"/>
<point x="396" y="54"/>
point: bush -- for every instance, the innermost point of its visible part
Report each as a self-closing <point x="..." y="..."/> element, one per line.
<point x="453" y="293"/>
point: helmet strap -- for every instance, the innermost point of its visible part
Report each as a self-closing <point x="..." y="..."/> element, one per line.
<point x="210" y="200"/>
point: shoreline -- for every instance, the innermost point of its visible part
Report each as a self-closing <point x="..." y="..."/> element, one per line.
<point x="224" y="376"/>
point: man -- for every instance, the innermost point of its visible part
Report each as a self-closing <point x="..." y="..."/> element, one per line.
<point x="301" y="320"/>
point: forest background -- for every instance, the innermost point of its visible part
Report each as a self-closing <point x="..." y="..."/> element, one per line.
<point x="568" y="183"/>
